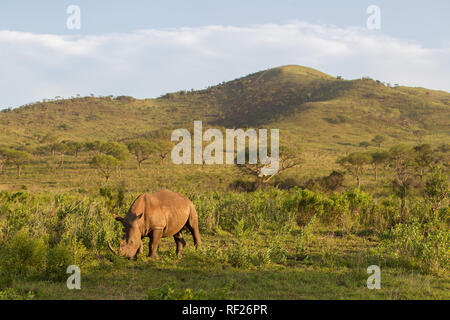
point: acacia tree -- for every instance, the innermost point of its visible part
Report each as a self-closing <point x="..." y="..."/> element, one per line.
<point x="378" y="140"/>
<point x="162" y="148"/>
<point x="354" y="163"/>
<point x="18" y="159"/>
<point x="75" y="147"/>
<point x="377" y="159"/>
<point x="41" y="151"/>
<point x="402" y="162"/>
<point x="3" y="158"/>
<point x="423" y="157"/>
<point x="364" y="144"/>
<point x="142" y="150"/>
<point x="288" y="158"/>
<point x="59" y="148"/>
<point x="436" y="190"/>
<point x="105" y="164"/>
<point x="94" y="147"/>
<point x="118" y="151"/>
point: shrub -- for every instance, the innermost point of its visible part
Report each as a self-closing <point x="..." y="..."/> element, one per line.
<point x="287" y="183"/>
<point x="239" y="256"/>
<point x="278" y="253"/>
<point x="21" y="257"/>
<point x="425" y="246"/>
<point x="308" y="205"/>
<point x="58" y="259"/>
<point x="242" y="186"/>
<point x="165" y="292"/>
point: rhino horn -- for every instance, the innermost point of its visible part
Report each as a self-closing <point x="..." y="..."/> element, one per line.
<point x="112" y="249"/>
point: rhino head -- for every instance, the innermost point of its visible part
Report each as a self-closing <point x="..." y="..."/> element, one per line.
<point x="131" y="243"/>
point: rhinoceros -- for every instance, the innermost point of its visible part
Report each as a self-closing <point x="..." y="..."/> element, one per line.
<point x="158" y="215"/>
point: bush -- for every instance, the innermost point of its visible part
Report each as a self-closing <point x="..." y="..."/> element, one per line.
<point x="58" y="259"/>
<point x="288" y="183"/>
<point x="425" y="246"/>
<point x="21" y="257"/>
<point x="278" y="253"/>
<point x="331" y="183"/>
<point x="212" y="256"/>
<point x="240" y="256"/>
<point x="242" y="186"/>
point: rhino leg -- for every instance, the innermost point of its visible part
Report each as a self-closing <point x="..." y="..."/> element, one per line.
<point x="179" y="241"/>
<point x="150" y="237"/>
<point x="192" y="226"/>
<point x="155" y="237"/>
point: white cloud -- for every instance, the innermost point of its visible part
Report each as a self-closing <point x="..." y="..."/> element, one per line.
<point x="147" y="63"/>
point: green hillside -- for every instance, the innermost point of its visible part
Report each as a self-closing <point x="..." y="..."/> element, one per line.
<point x="299" y="99"/>
<point x="323" y="116"/>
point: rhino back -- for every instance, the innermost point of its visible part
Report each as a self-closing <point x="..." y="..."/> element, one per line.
<point x="167" y="210"/>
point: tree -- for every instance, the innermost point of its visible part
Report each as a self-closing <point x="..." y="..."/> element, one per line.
<point x="3" y="158"/>
<point x="18" y="159"/>
<point x="75" y="147"/>
<point x="162" y="148"/>
<point x="288" y="158"/>
<point x="402" y="161"/>
<point x="95" y="147"/>
<point x="354" y="163"/>
<point x="142" y="150"/>
<point x="59" y="148"/>
<point x="49" y="138"/>
<point x="423" y="157"/>
<point x="118" y="151"/>
<point x="377" y="159"/>
<point x="442" y="155"/>
<point x="436" y="190"/>
<point x="364" y="144"/>
<point x="105" y="164"/>
<point x="378" y="140"/>
<point x="40" y="151"/>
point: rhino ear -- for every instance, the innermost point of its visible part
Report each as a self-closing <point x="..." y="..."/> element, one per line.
<point x="121" y="220"/>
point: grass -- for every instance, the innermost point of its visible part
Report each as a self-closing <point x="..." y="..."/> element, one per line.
<point x="334" y="269"/>
<point x="270" y="259"/>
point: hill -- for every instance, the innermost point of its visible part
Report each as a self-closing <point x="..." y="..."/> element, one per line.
<point x="310" y="107"/>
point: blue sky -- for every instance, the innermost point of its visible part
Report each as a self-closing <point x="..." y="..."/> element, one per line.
<point x="427" y="22"/>
<point x="147" y="48"/>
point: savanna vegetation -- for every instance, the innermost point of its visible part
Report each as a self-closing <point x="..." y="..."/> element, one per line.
<point x="365" y="182"/>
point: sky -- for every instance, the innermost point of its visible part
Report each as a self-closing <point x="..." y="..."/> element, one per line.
<point x="148" y="48"/>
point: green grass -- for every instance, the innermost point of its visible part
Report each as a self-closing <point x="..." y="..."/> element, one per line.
<point x="334" y="269"/>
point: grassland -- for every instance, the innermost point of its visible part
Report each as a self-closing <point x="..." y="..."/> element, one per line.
<point x="335" y="268"/>
<point x="264" y="244"/>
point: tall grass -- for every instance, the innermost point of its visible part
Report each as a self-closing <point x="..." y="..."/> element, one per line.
<point x="41" y="234"/>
